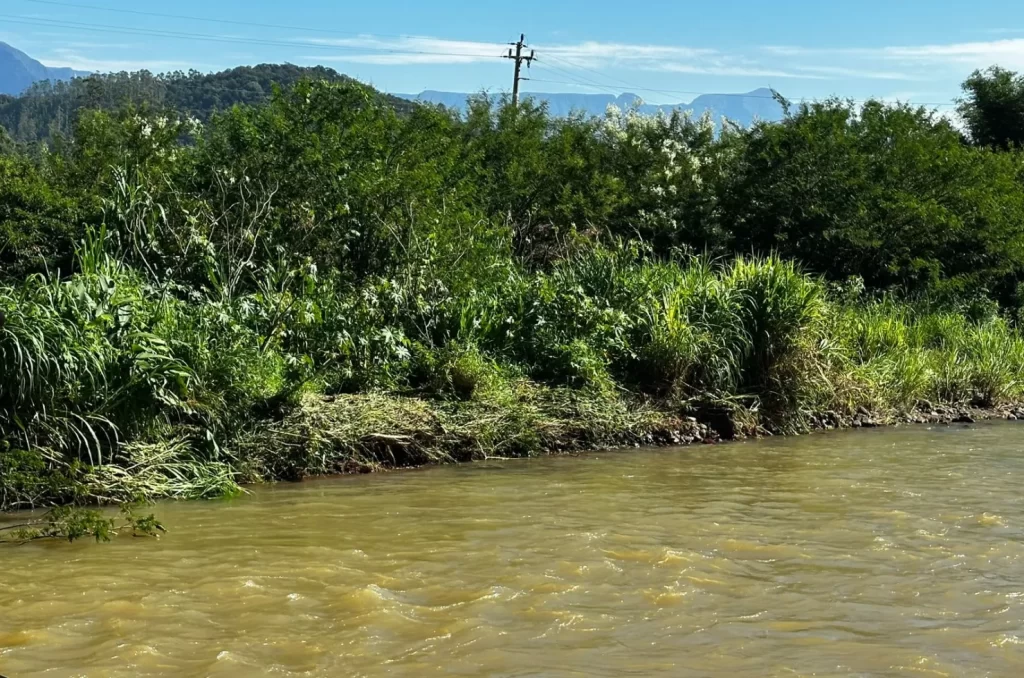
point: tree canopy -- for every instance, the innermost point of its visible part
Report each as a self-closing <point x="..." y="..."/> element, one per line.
<point x="993" y="108"/>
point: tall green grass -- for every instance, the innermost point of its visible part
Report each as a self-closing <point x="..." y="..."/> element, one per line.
<point x="117" y="387"/>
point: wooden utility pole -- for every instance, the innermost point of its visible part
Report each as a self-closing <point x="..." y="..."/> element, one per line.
<point x="519" y="59"/>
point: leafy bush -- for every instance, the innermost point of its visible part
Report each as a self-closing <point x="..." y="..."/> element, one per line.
<point x="887" y="193"/>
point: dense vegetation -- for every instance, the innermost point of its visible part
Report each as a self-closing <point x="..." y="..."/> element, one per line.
<point x="320" y="283"/>
<point x="51" y="107"/>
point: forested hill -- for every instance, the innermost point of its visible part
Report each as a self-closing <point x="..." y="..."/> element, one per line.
<point x="46" y="108"/>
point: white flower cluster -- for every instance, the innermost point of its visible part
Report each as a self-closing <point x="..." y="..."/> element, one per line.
<point x="146" y="127"/>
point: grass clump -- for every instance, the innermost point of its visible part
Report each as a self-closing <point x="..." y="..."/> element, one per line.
<point x="345" y="434"/>
<point x="356" y="433"/>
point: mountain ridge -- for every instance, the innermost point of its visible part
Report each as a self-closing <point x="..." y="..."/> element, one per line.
<point x="19" y="71"/>
<point x="743" y="108"/>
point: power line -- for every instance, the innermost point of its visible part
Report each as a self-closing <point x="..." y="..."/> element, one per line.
<point x="205" y="19"/>
<point x="573" y="64"/>
<point x="562" y="82"/>
<point x="127" y="30"/>
<point x="585" y="83"/>
<point x="578" y="80"/>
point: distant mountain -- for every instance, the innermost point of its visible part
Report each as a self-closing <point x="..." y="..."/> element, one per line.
<point x="18" y="71"/>
<point x="742" y="108"/>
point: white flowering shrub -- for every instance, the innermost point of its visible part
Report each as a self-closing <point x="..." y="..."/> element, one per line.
<point x="669" y="163"/>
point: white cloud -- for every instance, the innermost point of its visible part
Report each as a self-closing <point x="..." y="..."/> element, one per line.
<point x="1008" y="53"/>
<point x="414" y="50"/>
<point x="737" y="71"/>
<point x="766" y="62"/>
<point x="856" y="73"/>
<point x="394" y="59"/>
<point x="463" y="51"/>
<point x="786" y="50"/>
<point x="920" y="59"/>
<point x="369" y="49"/>
<point x="105" y="45"/>
<point x="597" y="53"/>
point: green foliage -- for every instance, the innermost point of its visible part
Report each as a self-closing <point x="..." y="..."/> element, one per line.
<point x="903" y="354"/>
<point x="456" y="371"/>
<point x="38" y="221"/>
<point x="993" y="109"/>
<point x="71" y="523"/>
<point x="887" y="193"/>
<point x="331" y="173"/>
<point x="31" y="478"/>
<point x="83" y="362"/>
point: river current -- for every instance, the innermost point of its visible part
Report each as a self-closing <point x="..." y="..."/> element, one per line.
<point x="874" y="553"/>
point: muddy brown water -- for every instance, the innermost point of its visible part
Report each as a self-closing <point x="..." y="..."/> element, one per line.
<point x="876" y="553"/>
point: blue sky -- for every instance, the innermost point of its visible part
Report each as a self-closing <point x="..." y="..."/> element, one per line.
<point x="916" y="50"/>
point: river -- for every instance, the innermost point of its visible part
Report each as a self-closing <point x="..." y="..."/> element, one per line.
<point x="872" y="553"/>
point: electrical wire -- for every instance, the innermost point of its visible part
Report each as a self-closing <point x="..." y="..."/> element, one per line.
<point x="573" y="64"/>
<point x="183" y="17"/>
<point x="127" y="30"/>
<point x="565" y="74"/>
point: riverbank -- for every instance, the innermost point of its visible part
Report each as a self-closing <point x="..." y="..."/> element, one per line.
<point x="116" y="391"/>
<point x="373" y="433"/>
<point x="359" y="434"/>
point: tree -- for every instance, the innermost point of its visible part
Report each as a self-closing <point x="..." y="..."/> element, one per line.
<point x="994" y="108"/>
<point x="38" y="224"/>
<point x="887" y="193"/>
